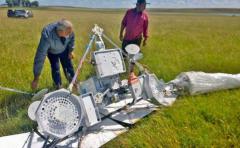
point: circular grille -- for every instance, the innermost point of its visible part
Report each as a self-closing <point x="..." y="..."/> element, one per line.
<point x="59" y="114"/>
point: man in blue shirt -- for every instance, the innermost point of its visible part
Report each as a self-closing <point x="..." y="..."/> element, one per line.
<point x="57" y="43"/>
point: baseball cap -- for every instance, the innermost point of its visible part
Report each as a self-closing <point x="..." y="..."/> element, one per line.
<point x="142" y="1"/>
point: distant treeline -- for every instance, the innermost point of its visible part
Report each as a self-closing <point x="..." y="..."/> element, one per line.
<point x="24" y="3"/>
<point x="196" y="10"/>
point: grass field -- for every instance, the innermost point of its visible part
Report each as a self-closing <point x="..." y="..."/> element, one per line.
<point x="177" y="43"/>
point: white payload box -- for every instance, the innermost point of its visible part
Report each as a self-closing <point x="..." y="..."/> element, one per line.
<point x="109" y="62"/>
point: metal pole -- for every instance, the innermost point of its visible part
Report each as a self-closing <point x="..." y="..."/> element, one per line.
<point x="81" y="63"/>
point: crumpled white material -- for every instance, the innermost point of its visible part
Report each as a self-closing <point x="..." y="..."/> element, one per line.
<point x="195" y="83"/>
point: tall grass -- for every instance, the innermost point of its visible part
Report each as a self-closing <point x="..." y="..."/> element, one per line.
<point x="177" y="43"/>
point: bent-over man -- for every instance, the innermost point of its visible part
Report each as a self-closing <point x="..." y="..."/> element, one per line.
<point x="57" y="43"/>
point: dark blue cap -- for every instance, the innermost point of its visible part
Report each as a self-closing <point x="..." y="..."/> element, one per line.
<point x="142" y="1"/>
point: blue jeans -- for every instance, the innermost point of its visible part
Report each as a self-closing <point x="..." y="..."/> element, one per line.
<point x="66" y="65"/>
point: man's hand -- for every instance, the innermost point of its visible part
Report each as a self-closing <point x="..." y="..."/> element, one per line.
<point x="144" y="42"/>
<point x="34" y="83"/>
<point x="121" y="37"/>
<point x="71" y="55"/>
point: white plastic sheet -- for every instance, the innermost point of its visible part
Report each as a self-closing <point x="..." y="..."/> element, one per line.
<point x="195" y="83"/>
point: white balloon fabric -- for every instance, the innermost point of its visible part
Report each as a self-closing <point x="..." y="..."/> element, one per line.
<point x="195" y="83"/>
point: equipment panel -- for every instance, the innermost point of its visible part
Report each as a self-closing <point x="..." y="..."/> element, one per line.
<point x="109" y="62"/>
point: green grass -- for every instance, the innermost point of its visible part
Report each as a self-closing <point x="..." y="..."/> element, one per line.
<point x="177" y="43"/>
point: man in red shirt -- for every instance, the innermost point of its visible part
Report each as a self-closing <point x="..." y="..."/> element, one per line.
<point x="135" y="24"/>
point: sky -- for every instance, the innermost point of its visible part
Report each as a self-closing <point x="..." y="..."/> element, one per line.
<point x="154" y="3"/>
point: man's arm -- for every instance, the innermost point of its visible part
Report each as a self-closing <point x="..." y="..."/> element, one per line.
<point x="121" y="32"/>
<point x="145" y="31"/>
<point x="123" y="25"/>
<point x="71" y="46"/>
<point x="39" y="60"/>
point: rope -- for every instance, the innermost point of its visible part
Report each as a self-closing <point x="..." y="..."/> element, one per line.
<point x="15" y="90"/>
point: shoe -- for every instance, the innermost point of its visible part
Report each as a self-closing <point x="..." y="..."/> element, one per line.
<point x="59" y="86"/>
